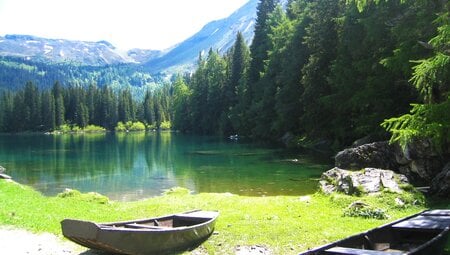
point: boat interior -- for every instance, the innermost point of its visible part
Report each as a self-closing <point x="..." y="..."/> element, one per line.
<point x="160" y="223"/>
<point x="384" y="241"/>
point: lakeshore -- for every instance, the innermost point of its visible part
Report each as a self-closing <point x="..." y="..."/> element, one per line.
<point x="271" y="225"/>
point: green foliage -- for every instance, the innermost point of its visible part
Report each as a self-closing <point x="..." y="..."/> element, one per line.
<point x="177" y="191"/>
<point x="16" y="71"/>
<point x="130" y="126"/>
<point x="424" y="121"/>
<point x="366" y="212"/>
<point x="93" y="129"/>
<point x="328" y="71"/>
<point x="90" y="197"/>
<point x="243" y="220"/>
<point x="77" y="109"/>
<point x="165" y="125"/>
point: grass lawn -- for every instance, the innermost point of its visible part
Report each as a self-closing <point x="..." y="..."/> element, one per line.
<point x="282" y="224"/>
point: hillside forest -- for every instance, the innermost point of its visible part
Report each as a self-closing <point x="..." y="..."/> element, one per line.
<point x="325" y="72"/>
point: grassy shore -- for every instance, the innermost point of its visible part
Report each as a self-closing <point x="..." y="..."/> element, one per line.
<point x="281" y="224"/>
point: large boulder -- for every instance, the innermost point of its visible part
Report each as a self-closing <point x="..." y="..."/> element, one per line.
<point x="419" y="160"/>
<point x="368" y="180"/>
<point x="375" y="155"/>
<point x="440" y="185"/>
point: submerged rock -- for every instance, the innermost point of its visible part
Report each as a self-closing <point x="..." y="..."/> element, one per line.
<point x="368" y="180"/>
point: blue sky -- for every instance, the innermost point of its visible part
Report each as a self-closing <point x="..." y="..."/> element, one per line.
<point x="147" y="24"/>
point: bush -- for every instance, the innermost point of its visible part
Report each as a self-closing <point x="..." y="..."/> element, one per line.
<point x="362" y="210"/>
<point x="165" y="125"/>
<point x="120" y="127"/>
<point x="136" y="126"/>
<point x="65" y="128"/>
<point x="93" y="129"/>
<point x="130" y="126"/>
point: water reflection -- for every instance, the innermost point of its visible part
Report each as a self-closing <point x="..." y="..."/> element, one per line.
<point x="131" y="166"/>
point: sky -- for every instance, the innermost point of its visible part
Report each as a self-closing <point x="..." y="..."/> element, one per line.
<point x="127" y="24"/>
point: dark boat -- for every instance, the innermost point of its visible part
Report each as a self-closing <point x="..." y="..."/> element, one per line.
<point x="147" y="236"/>
<point x="424" y="233"/>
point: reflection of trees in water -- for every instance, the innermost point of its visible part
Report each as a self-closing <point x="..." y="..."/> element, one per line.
<point x="154" y="160"/>
<point x="158" y="154"/>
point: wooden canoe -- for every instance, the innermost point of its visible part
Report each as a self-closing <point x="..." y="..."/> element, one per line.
<point x="159" y="235"/>
<point x="424" y="233"/>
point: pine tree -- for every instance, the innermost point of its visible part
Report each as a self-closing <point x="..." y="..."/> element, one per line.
<point x="236" y="91"/>
<point x="59" y="104"/>
<point x="48" y="111"/>
<point x="261" y="43"/>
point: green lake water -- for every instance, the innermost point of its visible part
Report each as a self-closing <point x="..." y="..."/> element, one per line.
<point x="133" y="166"/>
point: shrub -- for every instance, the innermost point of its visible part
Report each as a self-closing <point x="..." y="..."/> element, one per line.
<point x="165" y="125"/>
<point x="136" y="126"/>
<point x="120" y="127"/>
<point x="362" y="210"/>
<point x="94" y="128"/>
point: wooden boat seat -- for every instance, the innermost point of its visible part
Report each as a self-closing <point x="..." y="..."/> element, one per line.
<point x="135" y="225"/>
<point x="353" y="251"/>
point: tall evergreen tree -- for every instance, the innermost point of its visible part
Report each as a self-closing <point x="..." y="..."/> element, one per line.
<point x="180" y="105"/>
<point x="321" y="40"/>
<point x="237" y="91"/>
<point x="48" y="111"/>
<point x="59" y="104"/>
<point x="32" y="114"/>
<point x="261" y="43"/>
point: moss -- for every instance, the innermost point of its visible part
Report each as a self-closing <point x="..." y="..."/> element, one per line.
<point x="177" y="191"/>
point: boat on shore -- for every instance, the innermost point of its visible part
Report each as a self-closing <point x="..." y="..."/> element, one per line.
<point x="159" y="235"/>
<point x="424" y="233"/>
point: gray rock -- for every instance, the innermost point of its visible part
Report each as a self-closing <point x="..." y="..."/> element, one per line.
<point x="377" y="155"/>
<point x="419" y="160"/>
<point x="368" y="180"/>
<point x="440" y="185"/>
<point x="2" y="169"/>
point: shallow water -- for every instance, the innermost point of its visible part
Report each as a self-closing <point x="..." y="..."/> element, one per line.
<point x="133" y="166"/>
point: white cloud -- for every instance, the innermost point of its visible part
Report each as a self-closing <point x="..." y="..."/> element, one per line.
<point x="152" y="24"/>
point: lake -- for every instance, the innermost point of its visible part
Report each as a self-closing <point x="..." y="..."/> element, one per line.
<point x="134" y="166"/>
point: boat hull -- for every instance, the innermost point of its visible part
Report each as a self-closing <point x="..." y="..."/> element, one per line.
<point x="116" y="238"/>
<point x="421" y="234"/>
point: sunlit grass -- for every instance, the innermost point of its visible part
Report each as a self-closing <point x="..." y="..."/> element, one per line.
<point x="282" y="224"/>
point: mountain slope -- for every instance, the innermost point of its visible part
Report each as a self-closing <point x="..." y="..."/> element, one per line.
<point x="59" y="50"/>
<point x="219" y="35"/>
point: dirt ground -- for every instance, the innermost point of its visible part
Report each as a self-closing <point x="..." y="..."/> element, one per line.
<point x="21" y="242"/>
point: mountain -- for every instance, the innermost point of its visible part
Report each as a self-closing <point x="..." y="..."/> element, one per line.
<point x="59" y="50"/>
<point x="30" y="58"/>
<point x="219" y="35"/>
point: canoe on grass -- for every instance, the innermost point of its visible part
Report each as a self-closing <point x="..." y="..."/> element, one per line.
<point x="424" y="233"/>
<point x="147" y="236"/>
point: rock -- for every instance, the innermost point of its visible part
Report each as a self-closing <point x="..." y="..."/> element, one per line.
<point x="440" y="185"/>
<point x="2" y="169"/>
<point x="419" y="160"/>
<point x="288" y="139"/>
<point x="399" y="202"/>
<point x="362" y="141"/>
<point x="376" y="155"/>
<point x="368" y="180"/>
